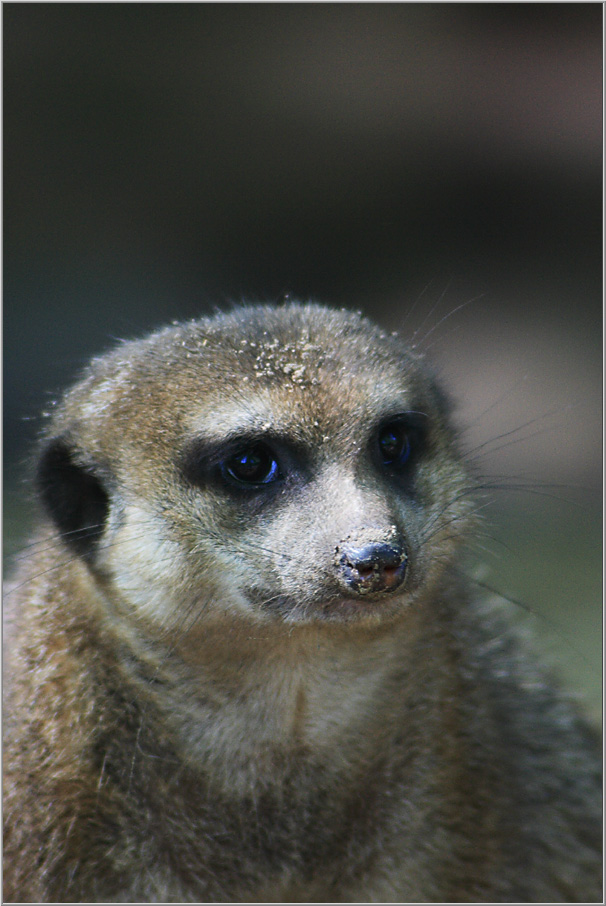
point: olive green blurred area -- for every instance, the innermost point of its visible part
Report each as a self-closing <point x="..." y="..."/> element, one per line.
<point x="544" y="560"/>
<point x="437" y="166"/>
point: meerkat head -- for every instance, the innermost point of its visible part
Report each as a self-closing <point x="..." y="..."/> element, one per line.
<point x="289" y="464"/>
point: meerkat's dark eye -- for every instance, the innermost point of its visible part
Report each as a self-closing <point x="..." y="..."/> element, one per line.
<point x="394" y="444"/>
<point x="252" y="466"/>
<point x="399" y="441"/>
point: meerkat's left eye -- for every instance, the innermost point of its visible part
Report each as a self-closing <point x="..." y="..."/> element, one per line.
<point x="394" y="444"/>
<point x="401" y="440"/>
<point x="251" y="466"/>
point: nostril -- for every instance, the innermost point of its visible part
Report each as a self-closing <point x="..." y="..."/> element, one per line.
<point x="364" y="570"/>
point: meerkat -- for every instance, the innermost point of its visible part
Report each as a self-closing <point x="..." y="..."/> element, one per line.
<point x="244" y="664"/>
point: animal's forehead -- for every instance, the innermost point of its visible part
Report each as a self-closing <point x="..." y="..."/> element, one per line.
<point x="284" y="382"/>
<point x="299" y="407"/>
<point x="301" y="360"/>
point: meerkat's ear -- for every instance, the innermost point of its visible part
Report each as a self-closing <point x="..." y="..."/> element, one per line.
<point x="73" y="495"/>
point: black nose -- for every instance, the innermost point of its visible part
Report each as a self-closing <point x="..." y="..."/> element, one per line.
<point x="373" y="567"/>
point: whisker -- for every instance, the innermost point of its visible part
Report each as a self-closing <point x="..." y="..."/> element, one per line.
<point x="449" y="315"/>
<point x="429" y="314"/>
<point x="472" y="453"/>
<point x="414" y="304"/>
<point x="560" y="630"/>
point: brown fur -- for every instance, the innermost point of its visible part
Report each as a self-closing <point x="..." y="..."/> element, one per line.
<point x="208" y="703"/>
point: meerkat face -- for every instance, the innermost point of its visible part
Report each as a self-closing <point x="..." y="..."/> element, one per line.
<point x="292" y="464"/>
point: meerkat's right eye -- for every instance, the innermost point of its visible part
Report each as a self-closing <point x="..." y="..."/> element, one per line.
<point x="251" y="466"/>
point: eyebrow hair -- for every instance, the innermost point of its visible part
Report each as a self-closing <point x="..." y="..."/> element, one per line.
<point x="258" y="420"/>
<point x="255" y="416"/>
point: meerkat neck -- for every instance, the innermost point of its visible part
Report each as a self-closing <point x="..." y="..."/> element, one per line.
<point x="281" y="693"/>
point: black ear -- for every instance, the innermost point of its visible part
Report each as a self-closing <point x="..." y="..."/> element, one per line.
<point x="74" y="497"/>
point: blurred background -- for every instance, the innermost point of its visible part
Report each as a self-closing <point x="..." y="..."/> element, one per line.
<point x="437" y="166"/>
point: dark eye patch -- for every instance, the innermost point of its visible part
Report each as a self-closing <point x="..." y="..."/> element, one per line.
<point x="242" y="463"/>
